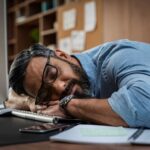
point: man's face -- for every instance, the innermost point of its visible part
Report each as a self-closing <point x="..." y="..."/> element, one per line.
<point x="71" y="79"/>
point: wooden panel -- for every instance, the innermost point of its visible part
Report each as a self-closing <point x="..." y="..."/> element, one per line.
<point x="126" y="19"/>
<point x="50" y="145"/>
<point x="95" y="37"/>
<point x="116" y="19"/>
<point x="140" y="20"/>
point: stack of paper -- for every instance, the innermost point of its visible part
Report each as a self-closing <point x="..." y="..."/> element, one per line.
<point x="94" y="134"/>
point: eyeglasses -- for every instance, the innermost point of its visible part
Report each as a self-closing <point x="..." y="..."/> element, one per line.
<point x="49" y="76"/>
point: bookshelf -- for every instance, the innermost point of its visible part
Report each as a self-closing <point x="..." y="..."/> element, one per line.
<point x="41" y="21"/>
<point x="31" y="21"/>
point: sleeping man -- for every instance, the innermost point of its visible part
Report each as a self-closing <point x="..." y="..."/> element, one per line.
<point x="108" y="84"/>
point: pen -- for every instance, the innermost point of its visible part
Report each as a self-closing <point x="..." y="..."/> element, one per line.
<point x="136" y="134"/>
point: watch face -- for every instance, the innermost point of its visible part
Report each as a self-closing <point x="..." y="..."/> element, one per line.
<point x="63" y="102"/>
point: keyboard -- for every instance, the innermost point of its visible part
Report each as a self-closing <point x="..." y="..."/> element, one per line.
<point x="38" y="117"/>
<point x="4" y="111"/>
<point x="35" y="116"/>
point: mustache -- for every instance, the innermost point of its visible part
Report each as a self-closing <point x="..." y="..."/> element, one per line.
<point x="70" y="85"/>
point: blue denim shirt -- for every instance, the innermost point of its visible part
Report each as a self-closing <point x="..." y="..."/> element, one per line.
<point x="120" y="72"/>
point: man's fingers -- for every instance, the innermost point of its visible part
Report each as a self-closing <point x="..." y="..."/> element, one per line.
<point x="51" y="103"/>
<point x="36" y="108"/>
<point x="45" y="112"/>
<point x="9" y="104"/>
<point x="39" y="107"/>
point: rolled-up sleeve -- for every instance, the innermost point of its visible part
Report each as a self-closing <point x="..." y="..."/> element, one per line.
<point x="132" y="76"/>
<point x="133" y="104"/>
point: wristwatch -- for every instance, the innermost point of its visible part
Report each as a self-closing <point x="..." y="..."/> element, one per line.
<point x="64" y="101"/>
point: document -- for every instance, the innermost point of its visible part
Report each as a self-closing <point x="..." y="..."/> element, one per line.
<point x="78" y="40"/>
<point x="90" y="16"/>
<point x="94" y="134"/>
<point x="144" y="138"/>
<point x="69" y="19"/>
<point x="97" y="134"/>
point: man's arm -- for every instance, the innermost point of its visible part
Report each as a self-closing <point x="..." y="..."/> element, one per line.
<point x="94" y="110"/>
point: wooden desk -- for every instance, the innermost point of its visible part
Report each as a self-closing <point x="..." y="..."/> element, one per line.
<point x="9" y="132"/>
<point x="67" y="146"/>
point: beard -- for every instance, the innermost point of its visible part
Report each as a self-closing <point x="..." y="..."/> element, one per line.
<point x="83" y="82"/>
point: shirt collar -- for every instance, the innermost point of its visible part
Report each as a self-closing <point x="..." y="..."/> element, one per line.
<point x="89" y="67"/>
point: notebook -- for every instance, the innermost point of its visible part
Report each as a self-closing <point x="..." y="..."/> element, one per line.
<point x="98" y="134"/>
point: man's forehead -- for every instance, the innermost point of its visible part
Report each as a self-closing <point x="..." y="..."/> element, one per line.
<point x="37" y="62"/>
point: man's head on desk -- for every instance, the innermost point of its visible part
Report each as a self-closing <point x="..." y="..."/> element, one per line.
<point x="47" y="75"/>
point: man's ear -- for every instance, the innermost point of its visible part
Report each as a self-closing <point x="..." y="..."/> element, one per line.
<point x="62" y="55"/>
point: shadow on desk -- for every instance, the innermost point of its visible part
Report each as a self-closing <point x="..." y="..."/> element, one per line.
<point x="9" y="131"/>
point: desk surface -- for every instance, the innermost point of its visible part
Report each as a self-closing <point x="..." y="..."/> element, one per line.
<point x="66" y="146"/>
<point x="9" y="134"/>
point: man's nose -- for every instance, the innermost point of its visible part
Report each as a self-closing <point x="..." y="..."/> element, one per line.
<point x="59" y="86"/>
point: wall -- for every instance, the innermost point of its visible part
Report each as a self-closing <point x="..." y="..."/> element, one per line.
<point x="126" y="19"/>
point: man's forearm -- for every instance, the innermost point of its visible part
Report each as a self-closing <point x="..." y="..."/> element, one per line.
<point x="94" y="110"/>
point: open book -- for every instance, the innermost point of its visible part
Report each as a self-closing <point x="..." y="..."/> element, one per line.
<point x="103" y="134"/>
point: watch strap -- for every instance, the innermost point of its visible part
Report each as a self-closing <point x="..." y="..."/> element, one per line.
<point x="64" y="101"/>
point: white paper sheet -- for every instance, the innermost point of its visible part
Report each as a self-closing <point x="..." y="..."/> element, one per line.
<point x="94" y="134"/>
<point x="144" y="138"/>
<point x="78" y="40"/>
<point x="90" y="16"/>
<point x="69" y="19"/>
<point x="65" y="45"/>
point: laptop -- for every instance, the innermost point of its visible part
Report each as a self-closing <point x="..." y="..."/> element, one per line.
<point x="3" y="54"/>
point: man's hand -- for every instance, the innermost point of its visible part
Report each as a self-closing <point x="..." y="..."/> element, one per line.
<point x="53" y="108"/>
<point x="17" y="101"/>
<point x="21" y="102"/>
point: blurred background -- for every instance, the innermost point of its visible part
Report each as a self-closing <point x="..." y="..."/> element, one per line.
<point x="75" y="25"/>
